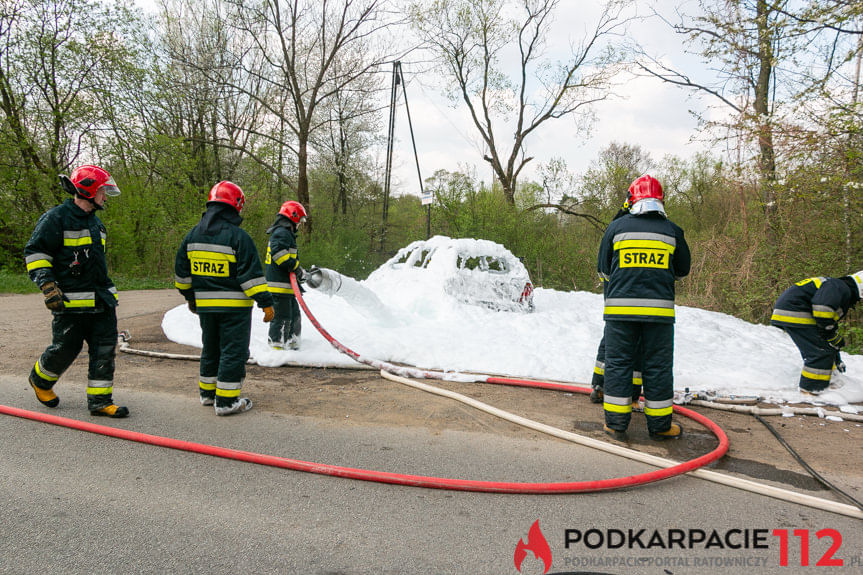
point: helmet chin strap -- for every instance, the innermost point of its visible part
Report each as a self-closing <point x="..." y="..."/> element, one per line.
<point x="91" y="200"/>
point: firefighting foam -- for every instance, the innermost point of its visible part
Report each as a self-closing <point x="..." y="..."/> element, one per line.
<point x="427" y="326"/>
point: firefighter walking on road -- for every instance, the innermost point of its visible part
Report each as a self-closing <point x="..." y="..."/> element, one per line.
<point x="218" y="271"/>
<point x="640" y="257"/>
<point x="809" y="312"/>
<point x="281" y="260"/>
<point x="65" y="257"/>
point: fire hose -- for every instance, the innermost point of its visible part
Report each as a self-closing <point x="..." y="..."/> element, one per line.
<point x="399" y="373"/>
<point x="390" y="371"/>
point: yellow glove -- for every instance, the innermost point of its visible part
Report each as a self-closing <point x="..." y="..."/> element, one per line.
<point x="53" y="296"/>
<point x="269" y="314"/>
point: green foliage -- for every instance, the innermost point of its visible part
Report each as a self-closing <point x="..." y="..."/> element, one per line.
<point x="15" y="282"/>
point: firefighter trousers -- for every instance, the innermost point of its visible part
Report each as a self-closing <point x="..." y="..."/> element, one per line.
<point x="69" y="332"/>
<point x="622" y="339"/>
<point x="598" y="379"/>
<point x="818" y="357"/>
<point x="286" y="321"/>
<point x="225" y="337"/>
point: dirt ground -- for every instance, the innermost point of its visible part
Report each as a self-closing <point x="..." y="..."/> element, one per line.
<point x="346" y="397"/>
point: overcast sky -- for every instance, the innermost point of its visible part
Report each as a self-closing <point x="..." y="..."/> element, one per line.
<point x="647" y="112"/>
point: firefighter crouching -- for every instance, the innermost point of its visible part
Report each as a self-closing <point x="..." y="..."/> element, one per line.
<point x="809" y="312"/>
<point x="65" y="257"/>
<point x="640" y="257"/>
<point x="281" y="260"/>
<point x="218" y="271"/>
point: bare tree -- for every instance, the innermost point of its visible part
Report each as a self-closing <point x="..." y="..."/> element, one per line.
<point x="55" y="68"/>
<point x="743" y="42"/>
<point x="304" y="47"/>
<point x="473" y="41"/>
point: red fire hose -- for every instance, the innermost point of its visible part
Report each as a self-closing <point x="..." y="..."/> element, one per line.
<point x="398" y="478"/>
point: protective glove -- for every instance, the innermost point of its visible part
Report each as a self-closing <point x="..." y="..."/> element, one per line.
<point x="837" y="342"/>
<point x="301" y="274"/>
<point x="53" y="296"/>
<point x="269" y="314"/>
<point x="193" y="307"/>
<point x="840" y="365"/>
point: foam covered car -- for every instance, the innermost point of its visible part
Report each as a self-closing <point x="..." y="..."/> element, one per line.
<point x="475" y="272"/>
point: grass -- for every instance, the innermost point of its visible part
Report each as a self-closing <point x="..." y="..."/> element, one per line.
<point x="11" y="282"/>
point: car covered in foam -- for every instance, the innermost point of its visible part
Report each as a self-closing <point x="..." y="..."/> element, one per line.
<point x="475" y="272"/>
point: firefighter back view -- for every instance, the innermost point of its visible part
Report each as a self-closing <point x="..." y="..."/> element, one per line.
<point x="218" y="271"/>
<point x="65" y="257"/>
<point x="281" y="260"/>
<point x="640" y="257"/>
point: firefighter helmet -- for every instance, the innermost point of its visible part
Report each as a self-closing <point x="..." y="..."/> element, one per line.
<point x="644" y="187"/>
<point x="90" y="179"/>
<point x="294" y="211"/>
<point x="858" y="279"/>
<point x="226" y="192"/>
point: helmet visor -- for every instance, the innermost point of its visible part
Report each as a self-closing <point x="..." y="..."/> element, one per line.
<point x="110" y="188"/>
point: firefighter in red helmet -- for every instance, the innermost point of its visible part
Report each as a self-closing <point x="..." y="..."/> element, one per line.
<point x="281" y="260"/>
<point x="218" y="271"/>
<point x="65" y="257"/>
<point x="640" y="257"/>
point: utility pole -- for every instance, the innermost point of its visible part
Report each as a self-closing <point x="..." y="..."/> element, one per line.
<point x="398" y="79"/>
<point x="389" y="162"/>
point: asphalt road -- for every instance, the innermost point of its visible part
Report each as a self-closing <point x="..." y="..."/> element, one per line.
<point x="75" y="502"/>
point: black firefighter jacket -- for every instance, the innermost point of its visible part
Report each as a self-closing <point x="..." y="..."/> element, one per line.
<point x="640" y="257"/>
<point x="815" y="302"/>
<point x="281" y="257"/>
<point x="217" y="265"/>
<point x="67" y="247"/>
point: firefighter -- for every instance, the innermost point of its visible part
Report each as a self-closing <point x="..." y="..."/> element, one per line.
<point x="281" y="260"/>
<point x="218" y="271"/>
<point x="809" y="312"/>
<point x="597" y="382"/>
<point x="640" y="257"/>
<point x="65" y="257"/>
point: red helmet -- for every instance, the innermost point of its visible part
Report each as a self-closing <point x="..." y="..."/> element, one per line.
<point x="90" y="179"/>
<point x="644" y="187"/>
<point x="228" y="193"/>
<point x="294" y="211"/>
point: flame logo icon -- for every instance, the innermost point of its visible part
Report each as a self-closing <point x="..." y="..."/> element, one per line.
<point x="535" y="542"/>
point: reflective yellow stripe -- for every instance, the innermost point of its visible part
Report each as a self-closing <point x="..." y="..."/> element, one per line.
<point x="202" y="255"/>
<point x="817" y="281"/>
<point x="826" y="314"/>
<point x="658" y="412"/>
<point x="41" y="374"/>
<point x="99" y="390"/>
<point x="39" y="264"/>
<point x="206" y="386"/>
<point x="281" y="290"/>
<point x="617" y="408"/>
<point x="791" y="319"/>
<point x="179" y="285"/>
<point x="257" y="289"/>
<point x="74" y="242"/>
<point x="223" y="303"/>
<point x="284" y="258"/>
<point x="599" y="371"/>
<point x="228" y="392"/>
<point x="817" y="376"/>
<point x="81" y="303"/>
<point x="636" y="381"/>
<point x="657" y="311"/>
<point x="649" y="244"/>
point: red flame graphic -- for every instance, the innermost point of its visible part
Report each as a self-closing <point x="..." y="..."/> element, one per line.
<point x="535" y="542"/>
